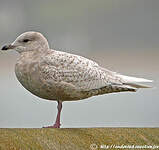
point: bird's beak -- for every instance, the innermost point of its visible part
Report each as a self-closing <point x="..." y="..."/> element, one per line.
<point x="7" y="47"/>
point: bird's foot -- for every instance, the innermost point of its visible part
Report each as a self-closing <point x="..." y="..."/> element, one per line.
<point x="56" y="125"/>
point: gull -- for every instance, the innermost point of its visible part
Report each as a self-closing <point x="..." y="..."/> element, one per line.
<point x="60" y="76"/>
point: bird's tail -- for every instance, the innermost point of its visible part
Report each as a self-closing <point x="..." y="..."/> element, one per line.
<point x="134" y="82"/>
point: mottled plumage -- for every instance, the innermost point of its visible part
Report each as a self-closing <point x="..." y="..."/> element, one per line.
<point x="56" y="75"/>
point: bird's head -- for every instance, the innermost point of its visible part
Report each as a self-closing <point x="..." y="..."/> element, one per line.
<point x="28" y="41"/>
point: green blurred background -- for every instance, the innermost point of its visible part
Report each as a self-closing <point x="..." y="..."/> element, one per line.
<point x="121" y="35"/>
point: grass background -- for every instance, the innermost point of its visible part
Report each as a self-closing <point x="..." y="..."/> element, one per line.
<point x="75" y="138"/>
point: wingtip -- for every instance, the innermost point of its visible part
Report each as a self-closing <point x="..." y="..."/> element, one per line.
<point x="134" y="79"/>
<point x="146" y="80"/>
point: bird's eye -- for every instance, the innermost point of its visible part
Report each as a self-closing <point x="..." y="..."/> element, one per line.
<point x="26" y="40"/>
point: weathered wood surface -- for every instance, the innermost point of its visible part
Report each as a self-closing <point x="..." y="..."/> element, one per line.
<point x="75" y="138"/>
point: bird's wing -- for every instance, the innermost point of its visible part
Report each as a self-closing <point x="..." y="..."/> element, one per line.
<point x="81" y="72"/>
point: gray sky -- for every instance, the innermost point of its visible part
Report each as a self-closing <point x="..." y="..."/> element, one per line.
<point x="121" y="35"/>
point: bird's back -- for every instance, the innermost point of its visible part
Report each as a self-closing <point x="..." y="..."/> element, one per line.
<point x="85" y="75"/>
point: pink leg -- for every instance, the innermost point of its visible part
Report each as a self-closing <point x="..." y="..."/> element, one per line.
<point x="57" y="123"/>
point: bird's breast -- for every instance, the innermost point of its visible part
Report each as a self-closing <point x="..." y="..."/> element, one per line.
<point x="27" y="72"/>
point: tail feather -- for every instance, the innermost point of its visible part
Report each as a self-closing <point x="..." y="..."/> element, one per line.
<point x="137" y="85"/>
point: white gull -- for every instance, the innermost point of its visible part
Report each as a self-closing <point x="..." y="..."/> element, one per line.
<point x="60" y="76"/>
